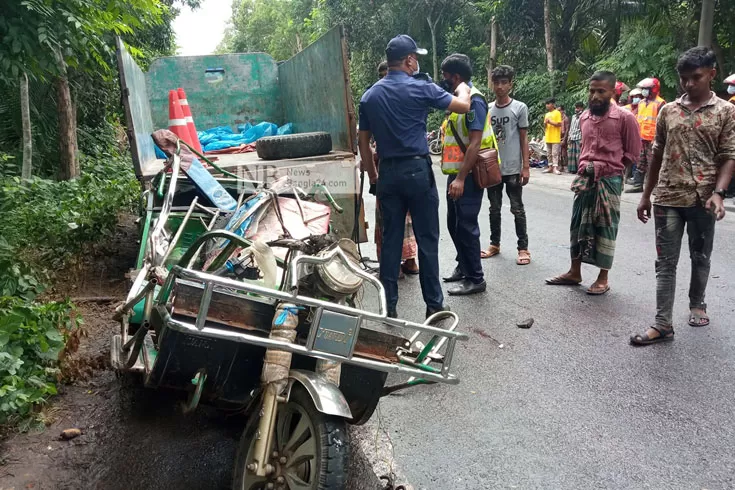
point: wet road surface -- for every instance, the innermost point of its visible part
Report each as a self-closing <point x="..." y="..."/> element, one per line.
<point x="569" y="403"/>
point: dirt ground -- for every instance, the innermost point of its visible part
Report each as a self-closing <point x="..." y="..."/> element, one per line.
<point x="131" y="437"/>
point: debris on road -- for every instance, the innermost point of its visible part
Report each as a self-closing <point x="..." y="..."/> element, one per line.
<point x="69" y="434"/>
<point x="525" y="323"/>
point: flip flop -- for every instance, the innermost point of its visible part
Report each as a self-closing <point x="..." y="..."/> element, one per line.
<point x="695" y="319"/>
<point x="666" y="335"/>
<point x="562" y="281"/>
<point x="598" y="292"/>
<point x="491" y="251"/>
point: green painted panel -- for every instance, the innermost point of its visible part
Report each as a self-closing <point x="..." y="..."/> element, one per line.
<point x="222" y="90"/>
<point x="315" y="90"/>
<point x="137" y="109"/>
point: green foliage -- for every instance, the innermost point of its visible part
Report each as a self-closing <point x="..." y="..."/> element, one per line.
<point x="645" y="52"/>
<point x="43" y="37"/>
<point x="280" y="28"/>
<point x="17" y="278"/>
<point x="533" y="89"/>
<point x="60" y="218"/>
<point x="32" y="337"/>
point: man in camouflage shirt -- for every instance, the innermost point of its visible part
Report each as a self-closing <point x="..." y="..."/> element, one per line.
<point x="693" y="161"/>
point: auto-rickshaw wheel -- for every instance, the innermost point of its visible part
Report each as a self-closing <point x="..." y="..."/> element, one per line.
<point x="310" y="452"/>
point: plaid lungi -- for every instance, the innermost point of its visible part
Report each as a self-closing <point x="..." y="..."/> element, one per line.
<point x="575" y="148"/>
<point x="595" y="219"/>
<point x="410" y="248"/>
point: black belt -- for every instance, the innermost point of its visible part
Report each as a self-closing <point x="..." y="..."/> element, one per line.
<point x="395" y="159"/>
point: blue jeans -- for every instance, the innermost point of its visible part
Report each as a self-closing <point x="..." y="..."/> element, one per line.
<point x="407" y="184"/>
<point x="464" y="229"/>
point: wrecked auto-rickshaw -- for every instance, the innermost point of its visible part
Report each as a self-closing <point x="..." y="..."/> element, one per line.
<point x="246" y="294"/>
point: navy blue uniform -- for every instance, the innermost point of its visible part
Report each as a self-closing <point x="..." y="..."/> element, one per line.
<point x="463" y="213"/>
<point x="395" y="110"/>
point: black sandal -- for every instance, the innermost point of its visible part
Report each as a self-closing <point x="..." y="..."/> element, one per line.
<point x="665" y="335"/>
<point x="699" y="319"/>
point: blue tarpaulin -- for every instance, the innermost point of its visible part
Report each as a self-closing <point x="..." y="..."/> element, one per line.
<point x="223" y="137"/>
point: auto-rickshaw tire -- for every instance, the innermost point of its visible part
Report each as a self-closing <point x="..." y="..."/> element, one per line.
<point x="332" y="441"/>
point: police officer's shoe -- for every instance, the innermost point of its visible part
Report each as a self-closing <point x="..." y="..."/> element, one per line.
<point x="467" y="287"/>
<point x="431" y="311"/>
<point x="456" y="276"/>
<point x="392" y="313"/>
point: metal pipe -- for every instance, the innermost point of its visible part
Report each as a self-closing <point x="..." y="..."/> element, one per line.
<point x="308" y="301"/>
<point x="199" y="249"/>
<point x="129" y="304"/>
<point x="213" y="332"/>
<point x="204" y="305"/>
<point x="206" y="209"/>
<point x="148" y="307"/>
<point x="165" y="207"/>
<point x="179" y="231"/>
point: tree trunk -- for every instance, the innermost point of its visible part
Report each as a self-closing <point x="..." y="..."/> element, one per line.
<point x="67" y="130"/>
<point x="493" y="52"/>
<point x="432" y="28"/>
<point x="549" y="45"/>
<point x="25" y="111"/>
<point x="705" y="23"/>
<point x="720" y="59"/>
<point x="547" y="37"/>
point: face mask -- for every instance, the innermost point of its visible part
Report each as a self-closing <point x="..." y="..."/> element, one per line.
<point x="645" y="92"/>
<point x="418" y="68"/>
<point x="731" y="89"/>
<point x="636" y="100"/>
<point x="446" y="85"/>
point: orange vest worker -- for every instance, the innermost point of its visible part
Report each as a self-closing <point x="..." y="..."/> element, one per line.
<point x="647" y="114"/>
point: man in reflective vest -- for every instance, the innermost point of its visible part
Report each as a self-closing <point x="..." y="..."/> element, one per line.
<point x="465" y="136"/>
<point x="648" y="109"/>
<point x="730" y="82"/>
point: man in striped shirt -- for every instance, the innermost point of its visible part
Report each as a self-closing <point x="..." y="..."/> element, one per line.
<point x="575" y="138"/>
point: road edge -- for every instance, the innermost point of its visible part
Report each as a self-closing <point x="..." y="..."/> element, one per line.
<point x="373" y="457"/>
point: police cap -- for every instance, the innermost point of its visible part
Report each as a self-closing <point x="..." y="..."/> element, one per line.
<point x="401" y="46"/>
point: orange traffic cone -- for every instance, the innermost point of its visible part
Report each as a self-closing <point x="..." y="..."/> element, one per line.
<point x="176" y="120"/>
<point x="189" y="120"/>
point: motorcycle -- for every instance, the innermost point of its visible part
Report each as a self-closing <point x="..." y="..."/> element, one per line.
<point x="260" y="310"/>
<point x="435" y="142"/>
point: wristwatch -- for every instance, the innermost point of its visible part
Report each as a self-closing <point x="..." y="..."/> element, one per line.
<point x="722" y="192"/>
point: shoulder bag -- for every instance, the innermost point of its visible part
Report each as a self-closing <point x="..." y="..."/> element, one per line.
<point x="486" y="171"/>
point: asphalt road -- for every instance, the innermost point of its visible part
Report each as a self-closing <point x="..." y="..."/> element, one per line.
<point x="569" y="403"/>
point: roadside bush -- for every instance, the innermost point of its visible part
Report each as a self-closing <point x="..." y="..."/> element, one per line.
<point x="43" y="223"/>
<point x="32" y="337"/>
<point x="55" y="219"/>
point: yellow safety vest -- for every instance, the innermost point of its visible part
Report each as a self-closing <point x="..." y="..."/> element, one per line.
<point x="452" y="155"/>
<point x="647" y="114"/>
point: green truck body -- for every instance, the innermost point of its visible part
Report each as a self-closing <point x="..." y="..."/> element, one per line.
<point x="310" y="90"/>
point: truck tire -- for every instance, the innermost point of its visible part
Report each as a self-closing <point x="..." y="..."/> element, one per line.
<point x="294" y="145"/>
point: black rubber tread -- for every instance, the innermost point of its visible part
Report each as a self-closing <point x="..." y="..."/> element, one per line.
<point x="294" y="145"/>
<point x="333" y="461"/>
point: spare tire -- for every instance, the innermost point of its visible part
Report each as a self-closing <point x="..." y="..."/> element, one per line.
<point x="294" y="145"/>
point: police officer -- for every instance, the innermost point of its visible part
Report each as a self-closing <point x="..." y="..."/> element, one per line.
<point x="394" y="111"/>
<point x="465" y="136"/>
